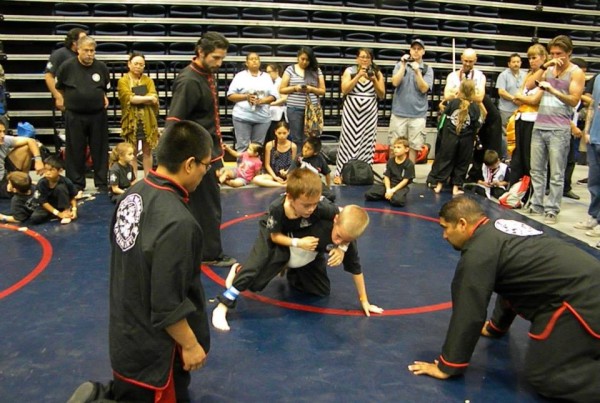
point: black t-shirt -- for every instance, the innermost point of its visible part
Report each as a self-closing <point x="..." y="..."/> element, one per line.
<point x="120" y="175"/>
<point x="398" y="172"/>
<point x="22" y="206"/>
<point x="57" y="58"/>
<point x="84" y="87"/>
<point x="316" y="163"/>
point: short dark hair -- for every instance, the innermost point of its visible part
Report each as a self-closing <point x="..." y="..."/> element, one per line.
<point x="315" y="143"/>
<point x="459" y="207"/>
<point x="55" y="162"/>
<point x="579" y="62"/>
<point x="563" y="42"/>
<point x="210" y="41"/>
<point x="183" y="140"/>
<point x="73" y="36"/>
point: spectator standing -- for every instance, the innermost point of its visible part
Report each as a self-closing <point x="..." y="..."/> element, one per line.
<point x="277" y="107"/>
<point x="362" y="86"/>
<point x="301" y="81"/>
<point x="83" y="82"/>
<point x="591" y="136"/>
<point x="139" y="110"/>
<point x="58" y="57"/>
<point x="195" y="98"/>
<point x="562" y="83"/>
<point x="466" y="72"/>
<point x="252" y="90"/>
<point x="509" y="83"/>
<point x="528" y="100"/>
<point x="412" y="80"/>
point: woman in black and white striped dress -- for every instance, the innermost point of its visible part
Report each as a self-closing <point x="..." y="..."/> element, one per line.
<point x="362" y="86"/>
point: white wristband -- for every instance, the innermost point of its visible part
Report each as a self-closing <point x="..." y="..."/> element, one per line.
<point x="295" y="242"/>
<point x="343" y="248"/>
<point x="55" y="212"/>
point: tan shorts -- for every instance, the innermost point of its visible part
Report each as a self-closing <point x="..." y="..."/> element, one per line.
<point x="412" y="129"/>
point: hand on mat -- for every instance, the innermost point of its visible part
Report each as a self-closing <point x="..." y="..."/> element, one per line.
<point x="428" y="368"/>
<point x="369" y="309"/>
<point x="484" y="331"/>
<point x="193" y="358"/>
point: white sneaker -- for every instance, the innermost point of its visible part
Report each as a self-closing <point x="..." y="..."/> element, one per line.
<point x="590" y="223"/>
<point x="594" y="232"/>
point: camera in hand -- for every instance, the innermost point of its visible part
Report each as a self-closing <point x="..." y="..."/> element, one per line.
<point x="370" y="71"/>
<point x="410" y="60"/>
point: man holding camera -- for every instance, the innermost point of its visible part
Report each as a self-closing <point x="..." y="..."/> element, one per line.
<point x="412" y="79"/>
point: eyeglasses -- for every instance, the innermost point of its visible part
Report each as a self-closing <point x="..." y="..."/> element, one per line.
<point x="208" y="166"/>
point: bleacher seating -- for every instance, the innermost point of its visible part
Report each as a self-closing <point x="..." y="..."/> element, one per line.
<point x="335" y="29"/>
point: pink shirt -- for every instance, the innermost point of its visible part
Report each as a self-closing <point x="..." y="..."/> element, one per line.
<point x="248" y="167"/>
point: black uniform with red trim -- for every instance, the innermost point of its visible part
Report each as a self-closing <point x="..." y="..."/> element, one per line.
<point x="155" y="282"/>
<point x="553" y="284"/>
<point x="195" y="99"/>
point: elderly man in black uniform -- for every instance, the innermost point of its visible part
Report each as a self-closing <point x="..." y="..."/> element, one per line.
<point x="158" y="322"/>
<point x="552" y="283"/>
<point x="195" y="98"/>
<point x="83" y="82"/>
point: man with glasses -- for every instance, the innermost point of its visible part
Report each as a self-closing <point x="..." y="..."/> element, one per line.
<point x="83" y="82"/>
<point x="195" y="98"/>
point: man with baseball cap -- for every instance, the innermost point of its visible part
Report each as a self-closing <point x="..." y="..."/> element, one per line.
<point x="412" y="79"/>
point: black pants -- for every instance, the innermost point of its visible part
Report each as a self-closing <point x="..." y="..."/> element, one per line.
<point x="83" y="130"/>
<point x="377" y="192"/>
<point x="520" y="163"/>
<point x="205" y="205"/>
<point x="128" y="392"/>
<point x="60" y="200"/>
<point x="452" y="160"/>
<point x="567" y="364"/>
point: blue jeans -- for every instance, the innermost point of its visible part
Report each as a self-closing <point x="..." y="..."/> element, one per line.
<point x="249" y="132"/>
<point x="295" y="117"/>
<point x="593" y="156"/>
<point x="548" y="146"/>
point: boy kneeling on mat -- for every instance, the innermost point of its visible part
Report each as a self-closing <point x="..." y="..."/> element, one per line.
<point x="304" y="233"/>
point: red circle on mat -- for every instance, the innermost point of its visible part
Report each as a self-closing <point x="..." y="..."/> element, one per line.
<point x="329" y="311"/>
<point x="46" y="256"/>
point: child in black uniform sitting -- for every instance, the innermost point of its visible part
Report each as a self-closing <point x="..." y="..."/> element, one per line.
<point x="120" y="175"/>
<point x="22" y="203"/>
<point x="399" y="173"/>
<point x="313" y="160"/>
<point x="55" y="194"/>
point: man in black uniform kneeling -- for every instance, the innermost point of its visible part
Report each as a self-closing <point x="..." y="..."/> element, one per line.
<point x="547" y="281"/>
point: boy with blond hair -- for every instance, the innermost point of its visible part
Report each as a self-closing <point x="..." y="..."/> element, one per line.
<point x="303" y="233"/>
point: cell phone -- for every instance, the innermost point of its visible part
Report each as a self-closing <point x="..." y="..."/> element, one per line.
<point x="537" y="83"/>
<point x="303" y="86"/>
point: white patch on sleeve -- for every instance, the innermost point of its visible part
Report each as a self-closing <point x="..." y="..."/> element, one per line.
<point x="517" y="228"/>
<point x="127" y="222"/>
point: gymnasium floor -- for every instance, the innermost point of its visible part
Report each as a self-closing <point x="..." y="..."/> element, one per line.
<point x="283" y="346"/>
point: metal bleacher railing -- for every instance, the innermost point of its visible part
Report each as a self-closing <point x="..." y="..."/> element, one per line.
<point x="335" y="29"/>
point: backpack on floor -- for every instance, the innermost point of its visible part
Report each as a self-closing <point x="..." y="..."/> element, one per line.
<point x="357" y="173"/>
<point x="515" y="196"/>
<point x="382" y="153"/>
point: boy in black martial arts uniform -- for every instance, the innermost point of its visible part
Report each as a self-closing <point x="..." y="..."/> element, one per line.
<point x="304" y="233"/>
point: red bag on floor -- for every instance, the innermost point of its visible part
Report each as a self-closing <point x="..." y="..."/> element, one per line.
<point x="382" y="154"/>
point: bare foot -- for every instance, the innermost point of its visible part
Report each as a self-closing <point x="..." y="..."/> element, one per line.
<point x="337" y="180"/>
<point x="65" y="221"/>
<point x="438" y="187"/>
<point x="456" y="191"/>
<point x="235" y="268"/>
<point x="219" y="318"/>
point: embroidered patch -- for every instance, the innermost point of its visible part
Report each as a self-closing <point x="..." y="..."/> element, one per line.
<point x="512" y="227"/>
<point x="270" y="222"/>
<point x="127" y="221"/>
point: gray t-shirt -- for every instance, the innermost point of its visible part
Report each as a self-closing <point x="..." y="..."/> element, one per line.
<point x="409" y="101"/>
<point x="5" y="149"/>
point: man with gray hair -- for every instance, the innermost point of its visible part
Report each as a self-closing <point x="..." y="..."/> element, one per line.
<point x="83" y="82"/>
